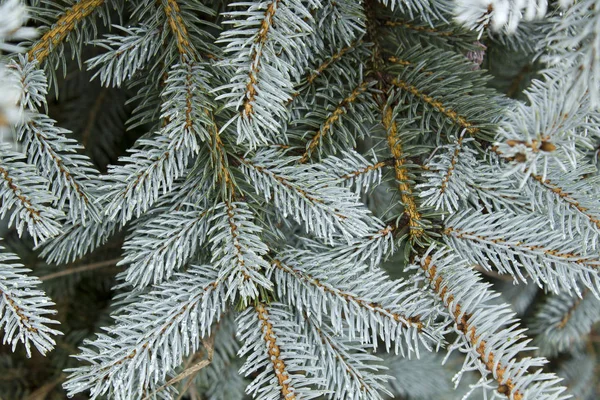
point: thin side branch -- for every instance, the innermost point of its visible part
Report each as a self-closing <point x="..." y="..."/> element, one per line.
<point x="314" y="142"/>
<point x="255" y="60"/>
<point x="438" y="105"/>
<point x="82" y="268"/>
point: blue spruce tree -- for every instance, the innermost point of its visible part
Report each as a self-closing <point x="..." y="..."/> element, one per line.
<point x="300" y="199"/>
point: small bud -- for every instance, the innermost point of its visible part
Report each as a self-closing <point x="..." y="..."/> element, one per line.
<point x="520" y="157"/>
<point x="503" y="389"/>
<point x="547" y="146"/>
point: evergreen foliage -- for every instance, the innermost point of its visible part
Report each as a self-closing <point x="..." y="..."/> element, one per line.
<point x="300" y="199"/>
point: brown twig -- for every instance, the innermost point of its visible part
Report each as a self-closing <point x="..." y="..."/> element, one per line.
<point x="209" y="346"/>
<point x="82" y="268"/>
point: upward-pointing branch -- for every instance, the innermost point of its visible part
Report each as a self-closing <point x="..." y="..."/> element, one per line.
<point x="255" y="60"/>
<point x="488" y="332"/>
<point x="61" y="29"/>
<point x="179" y="29"/>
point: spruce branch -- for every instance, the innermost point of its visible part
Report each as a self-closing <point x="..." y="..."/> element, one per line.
<point x="428" y="11"/>
<point x="61" y="29"/>
<point x="56" y="158"/>
<point x="163" y="244"/>
<point x="264" y="38"/>
<point x="575" y="28"/>
<point x="565" y="195"/>
<point x="322" y="207"/>
<point x="315" y="141"/>
<point x="499" y="15"/>
<point x="351" y="372"/>
<point x="356" y="171"/>
<point x="126" y="53"/>
<point x="238" y="251"/>
<point x="220" y="159"/>
<point x="448" y="174"/>
<point x="326" y="63"/>
<point x="402" y="176"/>
<point x="157" y="162"/>
<point x="455" y="106"/>
<point x="178" y="28"/>
<point x="187" y="305"/>
<point x="271" y="139"/>
<point x="24" y="308"/>
<point x="523" y="246"/>
<point x="277" y="352"/>
<point x="76" y="240"/>
<point x="563" y="322"/>
<point x="488" y="333"/>
<point x="26" y="197"/>
<point x="370" y="249"/>
<point x="402" y="314"/>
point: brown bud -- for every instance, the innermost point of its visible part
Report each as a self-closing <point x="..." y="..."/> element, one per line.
<point x="547" y="146"/>
<point x="520" y="157"/>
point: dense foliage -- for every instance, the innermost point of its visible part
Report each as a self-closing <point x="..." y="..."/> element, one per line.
<point x="299" y="199"/>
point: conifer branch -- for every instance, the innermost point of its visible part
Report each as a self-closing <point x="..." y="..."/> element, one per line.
<point x="271" y="342"/>
<point x="449" y="178"/>
<point x="366" y="170"/>
<point x="263" y="152"/>
<point x="333" y="117"/>
<point x="523" y="246"/>
<point x="487" y="331"/>
<point x="568" y="199"/>
<point x="461" y="319"/>
<point x="61" y="29"/>
<point x="56" y="157"/>
<point x="564" y="322"/>
<point x="27" y="196"/>
<point x="287" y="392"/>
<point x="370" y="249"/>
<point x="255" y="58"/>
<point x="567" y="257"/>
<point x="178" y="28"/>
<point x="237" y="250"/>
<point x="258" y="47"/>
<point x="127" y="53"/>
<point x="331" y="60"/>
<point x="452" y="166"/>
<point x="157" y="162"/>
<point x="43" y="139"/>
<point x="402" y="177"/>
<point x="437" y="105"/>
<point x="352" y="373"/>
<point x="349" y="298"/>
<point x="319" y="204"/>
<point x="187" y="306"/>
<point x="219" y="158"/>
<point x="162" y="245"/>
<point x="24" y="307"/>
